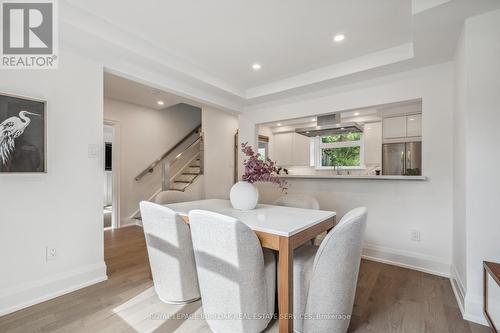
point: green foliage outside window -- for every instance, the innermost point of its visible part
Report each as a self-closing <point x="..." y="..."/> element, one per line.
<point x="341" y="156"/>
<point x="351" y="136"/>
<point x="345" y="156"/>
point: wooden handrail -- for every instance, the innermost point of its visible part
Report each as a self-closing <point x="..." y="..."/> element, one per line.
<point x="153" y="165"/>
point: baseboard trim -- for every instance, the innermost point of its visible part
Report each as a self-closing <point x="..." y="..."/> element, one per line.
<point x="28" y="294"/>
<point x="130" y="223"/>
<point x="458" y="289"/>
<point x="467" y="306"/>
<point x="475" y="319"/>
<point x="474" y="309"/>
<point x="416" y="261"/>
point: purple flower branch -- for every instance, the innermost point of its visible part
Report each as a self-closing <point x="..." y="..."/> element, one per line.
<point x="258" y="170"/>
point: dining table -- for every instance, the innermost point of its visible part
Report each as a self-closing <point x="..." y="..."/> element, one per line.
<point x="278" y="228"/>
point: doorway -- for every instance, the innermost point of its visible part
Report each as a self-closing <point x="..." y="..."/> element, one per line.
<point x="111" y="202"/>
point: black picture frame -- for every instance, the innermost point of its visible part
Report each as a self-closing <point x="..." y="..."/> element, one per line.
<point x="23" y="134"/>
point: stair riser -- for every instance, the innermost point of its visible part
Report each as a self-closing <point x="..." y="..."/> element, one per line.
<point x="193" y="170"/>
<point x="179" y="186"/>
<point x="188" y="178"/>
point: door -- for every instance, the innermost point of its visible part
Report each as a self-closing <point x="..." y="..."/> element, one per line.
<point x="393" y="159"/>
<point x="413" y="159"/>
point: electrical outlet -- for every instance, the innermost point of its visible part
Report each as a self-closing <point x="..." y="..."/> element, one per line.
<point x="415" y="235"/>
<point x="51" y="253"/>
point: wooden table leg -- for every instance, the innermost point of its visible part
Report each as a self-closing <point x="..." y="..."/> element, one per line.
<point x="285" y="285"/>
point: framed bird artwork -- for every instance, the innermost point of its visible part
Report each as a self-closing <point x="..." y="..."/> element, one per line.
<point x="23" y="134"/>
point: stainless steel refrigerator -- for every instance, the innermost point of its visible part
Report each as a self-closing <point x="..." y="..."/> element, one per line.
<point x="402" y="159"/>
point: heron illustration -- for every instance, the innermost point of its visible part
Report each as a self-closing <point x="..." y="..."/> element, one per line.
<point x="10" y="129"/>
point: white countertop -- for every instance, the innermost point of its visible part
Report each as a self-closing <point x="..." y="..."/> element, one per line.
<point x="332" y="176"/>
<point x="277" y="220"/>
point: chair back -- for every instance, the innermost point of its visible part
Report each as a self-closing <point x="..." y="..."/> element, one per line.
<point x="170" y="252"/>
<point x="230" y="265"/>
<point x="335" y="274"/>
<point x="298" y="201"/>
<point x="170" y="196"/>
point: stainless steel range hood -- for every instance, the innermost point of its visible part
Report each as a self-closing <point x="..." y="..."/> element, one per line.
<point x="330" y="125"/>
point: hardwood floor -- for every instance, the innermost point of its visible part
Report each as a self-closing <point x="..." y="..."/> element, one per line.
<point x="388" y="299"/>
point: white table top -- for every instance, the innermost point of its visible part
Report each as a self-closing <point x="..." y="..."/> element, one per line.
<point x="277" y="220"/>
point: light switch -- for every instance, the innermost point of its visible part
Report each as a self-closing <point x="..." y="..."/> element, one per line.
<point x="93" y="150"/>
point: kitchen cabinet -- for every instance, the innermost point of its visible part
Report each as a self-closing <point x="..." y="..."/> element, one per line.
<point x="283" y="143"/>
<point x="402" y="127"/>
<point x="394" y="127"/>
<point x="373" y="143"/>
<point x="291" y="149"/>
<point x="414" y="125"/>
<point x="301" y="150"/>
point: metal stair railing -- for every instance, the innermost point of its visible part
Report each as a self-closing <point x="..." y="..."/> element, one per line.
<point x="166" y="161"/>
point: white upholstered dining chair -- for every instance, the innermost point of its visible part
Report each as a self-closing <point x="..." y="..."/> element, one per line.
<point x="325" y="278"/>
<point x="171" y="255"/>
<point x="236" y="276"/>
<point x="301" y="201"/>
<point x="298" y="201"/>
<point x="171" y="196"/>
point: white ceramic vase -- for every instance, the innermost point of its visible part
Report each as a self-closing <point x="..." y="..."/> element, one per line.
<point x="244" y="196"/>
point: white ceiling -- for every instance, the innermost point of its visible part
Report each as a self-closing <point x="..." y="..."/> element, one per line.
<point x="213" y="44"/>
<point x="122" y="89"/>
<point x="226" y="37"/>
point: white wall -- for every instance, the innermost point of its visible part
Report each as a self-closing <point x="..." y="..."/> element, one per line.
<point x="219" y="128"/>
<point x="395" y="207"/>
<point x="63" y="208"/>
<point x="146" y="134"/>
<point x="459" y="260"/>
<point x="478" y="82"/>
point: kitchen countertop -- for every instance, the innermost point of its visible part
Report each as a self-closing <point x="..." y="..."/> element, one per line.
<point x="332" y="176"/>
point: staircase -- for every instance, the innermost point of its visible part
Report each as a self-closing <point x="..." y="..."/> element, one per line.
<point x="187" y="176"/>
<point x="181" y="164"/>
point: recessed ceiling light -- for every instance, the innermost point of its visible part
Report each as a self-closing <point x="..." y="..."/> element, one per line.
<point x="160" y="102"/>
<point x="342" y="128"/>
<point x="356" y="113"/>
<point x="338" y="38"/>
<point x="313" y="119"/>
<point x="412" y="119"/>
<point x="279" y="124"/>
<point x="256" y="66"/>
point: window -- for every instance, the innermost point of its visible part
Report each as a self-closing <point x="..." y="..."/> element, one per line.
<point x="263" y="147"/>
<point x="343" y="150"/>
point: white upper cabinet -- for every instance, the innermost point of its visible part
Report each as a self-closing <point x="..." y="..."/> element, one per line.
<point x="394" y="127"/>
<point x="414" y="125"/>
<point x="291" y="149"/>
<point x="402" y="127"/>
<point x="373" y="143"/>
<point x="283" y="143"/>
<point x="301" y="150"/>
